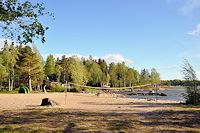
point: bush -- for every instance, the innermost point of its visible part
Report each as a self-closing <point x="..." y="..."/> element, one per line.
<point x="192" y="96"/>
<point x="58" y="88"/>
<point x="75" y="89"/>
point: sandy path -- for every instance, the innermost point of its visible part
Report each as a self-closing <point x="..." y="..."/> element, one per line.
<point x="90" y="102"/>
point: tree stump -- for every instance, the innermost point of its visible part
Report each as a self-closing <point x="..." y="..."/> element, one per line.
<point x="48" y="102"/>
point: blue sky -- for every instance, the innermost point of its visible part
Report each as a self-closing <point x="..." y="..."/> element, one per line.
<point x="143" y="33"/>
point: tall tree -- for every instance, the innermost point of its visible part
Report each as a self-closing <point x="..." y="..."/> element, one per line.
<point x="144" y="77"/>
<point x="6" y="61"/>
<point x="3" y="73"/>
<point x="77" y="71"/>
<point x="192" y="91"/>
<point x="103" y="66"/>
<point x="58" y="70"/>
<point x="20" y="20"/>
<point x="113" y="75"/>
<point x="131" y="77"/>
<point x="10" y="56"/>
<point x="121" y="74"/>
<point x="155" y="76"/>
<point x="29" y="67"/>
<point x="13" y="60"/>
<point x="50" y="67"/>
<point x="95" y="73"/>
<point x="40" y="75"/>
<point x="64" y="65"/>
<point x="106" y="79"/>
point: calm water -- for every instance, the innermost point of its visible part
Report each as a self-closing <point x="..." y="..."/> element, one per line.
<point x="175" y="94"/>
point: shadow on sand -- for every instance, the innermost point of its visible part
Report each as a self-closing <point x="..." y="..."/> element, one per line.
<point x="60" y="120"/>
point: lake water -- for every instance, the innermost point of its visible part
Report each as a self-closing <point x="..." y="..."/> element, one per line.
<point x="175" y="94"/>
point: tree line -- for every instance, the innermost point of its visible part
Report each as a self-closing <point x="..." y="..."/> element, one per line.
<point x="177" y="82"/>
<point x="23" y="65"/>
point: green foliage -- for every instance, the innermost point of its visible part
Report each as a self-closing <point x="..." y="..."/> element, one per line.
<point x="106" y="79"/>
<point x="95" y="73"/>
<point x="75" y="89"/>
<point x="10" y="57"/>
<point x="131" y="77"/>
<point x="145" y="77"/>
<point x="3" y="72"/>
<point x="29" y="68"/>
<point x="50" y="67"/>
<point x="77" y="71"/>
<point x="103" y="65"/>
<point x="24" y="66"/>
<point x="121" y="75"/>
<point x="155" y="76"/>
<point x="192" y="92"/>
<point x="113" y="76"/>
<point x="58" y="70"/>
<point x="58" y="88"/>
<point x="20" y="20"/>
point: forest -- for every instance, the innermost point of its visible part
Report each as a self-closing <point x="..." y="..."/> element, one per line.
<point x="22" y="65"/>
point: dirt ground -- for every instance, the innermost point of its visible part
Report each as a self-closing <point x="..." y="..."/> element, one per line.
<point x="80" y="101"/>
<point x="90" y="113"/>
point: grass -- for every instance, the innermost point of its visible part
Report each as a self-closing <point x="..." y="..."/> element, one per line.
<point x="9" y="92"/>
<point x="183" y="119"/>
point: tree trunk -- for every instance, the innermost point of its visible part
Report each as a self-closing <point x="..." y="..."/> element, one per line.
<point x="30" y="86"/>
<point x="12" y="82"/>
<point x="9" y="82"/>
<point x="38" y="86"/>
<point x="0" y="83"/>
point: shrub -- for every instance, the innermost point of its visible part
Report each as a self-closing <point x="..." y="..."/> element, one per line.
<point x="75" y="89"/>
<point x="58" y="88"/>
<point x="192" y="95"/>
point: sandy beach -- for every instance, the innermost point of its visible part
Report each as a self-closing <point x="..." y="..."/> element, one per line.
<point x="90" y="113"/>
<point x="80" y="101"/>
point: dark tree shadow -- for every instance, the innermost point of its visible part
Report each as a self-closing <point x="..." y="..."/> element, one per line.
<point x="54" y="120"/>
<point x="170" y="118"/>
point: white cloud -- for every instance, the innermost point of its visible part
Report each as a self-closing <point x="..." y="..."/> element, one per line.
<point x="196" y="31"/>
<point x="185" y="7"/>
<point x="190" y="6"/>
<point x="116" y="58"/>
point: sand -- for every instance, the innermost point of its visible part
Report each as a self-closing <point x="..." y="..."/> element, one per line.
<point x="85" y="102"/>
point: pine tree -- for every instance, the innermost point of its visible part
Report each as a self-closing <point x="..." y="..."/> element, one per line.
<point x="14" y="52"/>
<point x="50" y="67"/>
<point x="29" y="67"/>
<point x="40" y="74"/>
<point x="58" y="70"/>
<point x="3" y="73"/>
<point x="64" y="65"/>
<point x="113" y="75"/>
<point x="144" y="77"/>
<point x="10" y="56"/>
